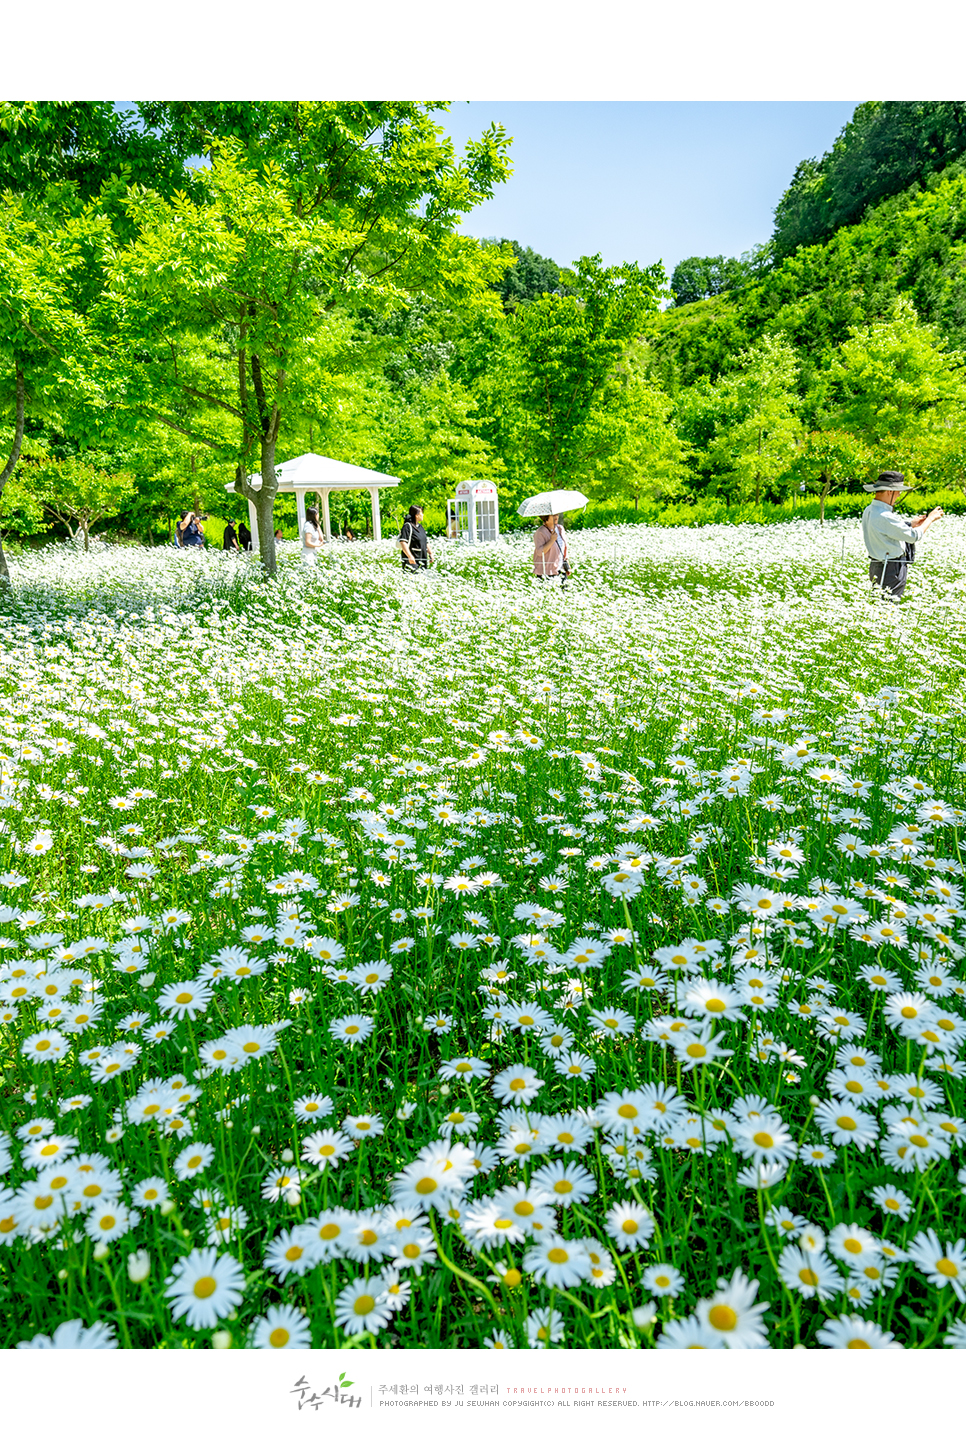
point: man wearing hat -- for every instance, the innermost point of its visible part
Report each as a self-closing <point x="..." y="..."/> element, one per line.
<point x="890" y="539"/>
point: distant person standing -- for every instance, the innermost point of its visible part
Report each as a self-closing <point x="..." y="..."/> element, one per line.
<point x="891" y="539"/>
<point x="311" y="537"/>
<point x="179" y="527"/>
<point x="230" y="538"/>
<point x="413" y="544"/>
<point x="244" y="537"/>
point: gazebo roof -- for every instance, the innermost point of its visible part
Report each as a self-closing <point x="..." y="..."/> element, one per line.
<point x="318" y="472"/>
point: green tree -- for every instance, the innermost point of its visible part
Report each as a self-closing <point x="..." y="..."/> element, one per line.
<point x="892" y="383"/>
<point x="754" y="451"/>
<point x="561" y="371"/>
<point x="697" y="278"/>
<point x="650" y="460"/>
<point x="317" y="205"/>
<point x="77" y="492"/>
<point x="51" y="363"/>
<point x="883" y="149"/>
<point x="436" y="443"/>
<point x="87" y="148"/>
<point x="528" y="277"/>
<point x="831" y="458"/>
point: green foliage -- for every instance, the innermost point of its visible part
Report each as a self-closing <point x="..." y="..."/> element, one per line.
<point x="887" y="146"/>
<point x="528" y="277"/>
<point x="650" y="459"/>
<point x="752" y="452"/>
<point x="561" y="383"/>
<point x="77" y="493"/>
<point x="894" y="381"/>
<point x="84" y="147"/>
<point x="314" y="205"/>
<point x="697" y="278"/>
<point x="436" y="443"/>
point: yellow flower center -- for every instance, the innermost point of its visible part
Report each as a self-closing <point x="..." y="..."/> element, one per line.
<point x="205" y="1287"/>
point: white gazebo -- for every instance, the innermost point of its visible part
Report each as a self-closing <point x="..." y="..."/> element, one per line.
<point x="322" y="475"/>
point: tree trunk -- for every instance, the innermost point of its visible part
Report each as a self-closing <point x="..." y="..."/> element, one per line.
<point x="11" y="465"/>
<point x="821" y="501"/>
<point x="265" y="508"/>
<point x="85" y="527"/>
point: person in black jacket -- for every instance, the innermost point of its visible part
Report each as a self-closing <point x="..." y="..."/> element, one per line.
<point x="413" y="544"/>
<point x="244" y="537"/>
<point x="230" y="539"/>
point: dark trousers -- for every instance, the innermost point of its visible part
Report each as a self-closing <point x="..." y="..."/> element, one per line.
<point x="891" y="576"/>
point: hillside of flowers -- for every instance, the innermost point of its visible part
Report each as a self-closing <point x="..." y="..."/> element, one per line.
<point x="451" y="961"/>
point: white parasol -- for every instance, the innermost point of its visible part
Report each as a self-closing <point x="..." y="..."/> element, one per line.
<point x="552" y="502"/>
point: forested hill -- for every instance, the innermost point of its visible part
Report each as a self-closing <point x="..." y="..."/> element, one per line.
<point x="912" y="244"/>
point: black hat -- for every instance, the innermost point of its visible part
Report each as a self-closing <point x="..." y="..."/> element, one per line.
<point x="888" y="480"/>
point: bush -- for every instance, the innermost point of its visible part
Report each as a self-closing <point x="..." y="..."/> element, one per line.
<point x="715" y="511"/>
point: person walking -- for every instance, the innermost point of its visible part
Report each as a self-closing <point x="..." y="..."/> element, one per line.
<point x="550" y="551"/>
<point x="230" y="538"/>
<point x="416" y="555"/>
<point x="311" y="537"/>
<point x="891" y="539"/>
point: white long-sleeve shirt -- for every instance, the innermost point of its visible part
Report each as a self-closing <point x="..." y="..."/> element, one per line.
<point x="886" y="534"/>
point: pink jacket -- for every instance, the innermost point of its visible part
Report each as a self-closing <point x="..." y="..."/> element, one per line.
<point x="549" y="564"/>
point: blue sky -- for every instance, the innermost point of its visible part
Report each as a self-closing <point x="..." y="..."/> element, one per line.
<point x="641" y="180"/>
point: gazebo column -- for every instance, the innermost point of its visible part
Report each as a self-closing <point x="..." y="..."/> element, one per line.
<point x="326" y="520"/>
<point x="300" y="510"/>
<point x="376" y="519"/>
<point x="253" y="526"/>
